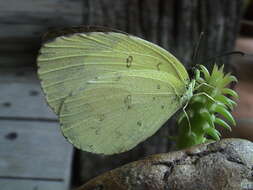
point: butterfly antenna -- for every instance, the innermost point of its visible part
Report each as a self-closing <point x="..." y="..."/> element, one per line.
<point x="195" y="54"/>
<point x="223" y="55"/>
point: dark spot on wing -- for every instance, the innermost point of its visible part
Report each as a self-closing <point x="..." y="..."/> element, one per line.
<point x="139" y="123"/>
<point x="162" y="106"/>
<point x="129" y="61"/>
<point x="117" y="77"/>
<point x="118" y="133"/>
<point x="101" y="117"/>
<point x="128" y="101"/>
<point x="158" y="86"/>
<point x="158" y="66"/>
<point x="153" y="98"/>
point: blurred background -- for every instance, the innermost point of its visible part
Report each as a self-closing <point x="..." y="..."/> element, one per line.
<point x="33" y="153"/>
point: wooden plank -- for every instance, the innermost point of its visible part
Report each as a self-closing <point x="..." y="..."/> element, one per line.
<point x="22" y="97"/>
<point x="34" y="150"/>
<point x="33" y="153"/>
<point x="23" y="100"/>
<point x="11" y="31"/>
<point x="12" y="184"/>
<point x="19" y="45"/>
<point x="17" y="59"/>
<point x="34" y="19"/>
<point x="21" y="75"/>
<point x="36" y="16"/>
<point x="57" y="6"/>
<point x="48" y="17"/>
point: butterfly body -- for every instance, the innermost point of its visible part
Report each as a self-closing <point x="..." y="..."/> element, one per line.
<point x="186" y="97"/>
<point x="111" y="90"/>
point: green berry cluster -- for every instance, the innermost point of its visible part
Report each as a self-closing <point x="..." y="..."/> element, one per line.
<point x="208" y="107"/>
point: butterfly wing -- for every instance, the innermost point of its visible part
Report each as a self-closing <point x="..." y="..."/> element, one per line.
<point x="119" y="110"/>
<point x="110" y="90"/>
<point x="66" y="63"/>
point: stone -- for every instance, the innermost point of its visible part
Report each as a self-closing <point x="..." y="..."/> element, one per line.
<point x="225" y="164"/>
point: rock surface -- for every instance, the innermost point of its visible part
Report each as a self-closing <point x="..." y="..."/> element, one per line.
<point x="222" y="165"/>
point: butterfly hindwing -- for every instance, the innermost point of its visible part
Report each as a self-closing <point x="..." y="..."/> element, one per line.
<point x="118" y="111"/>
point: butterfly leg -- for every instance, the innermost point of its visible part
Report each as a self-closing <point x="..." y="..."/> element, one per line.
<point x="207" y="95"/>
<point x="187" y="117"/>
<point x="204" y="84"/>
<point x="201" y="80"/>
<point x="197" y="76"/>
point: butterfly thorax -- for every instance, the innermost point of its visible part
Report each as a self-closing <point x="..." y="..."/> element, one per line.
<point x="188" y="94"/>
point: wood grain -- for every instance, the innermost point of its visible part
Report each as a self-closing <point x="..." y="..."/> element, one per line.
<point x="27" y="21"/>
<point x="26" y="184"/>
<point x="44" y="13"/>
<point x="22" y="97"/>
<point x="33" y="152"/>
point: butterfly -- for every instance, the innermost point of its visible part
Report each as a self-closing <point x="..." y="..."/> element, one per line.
<point x="110" y="90"/>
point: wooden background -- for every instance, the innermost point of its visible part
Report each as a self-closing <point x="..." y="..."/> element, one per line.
<point x="33" y="153"/>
